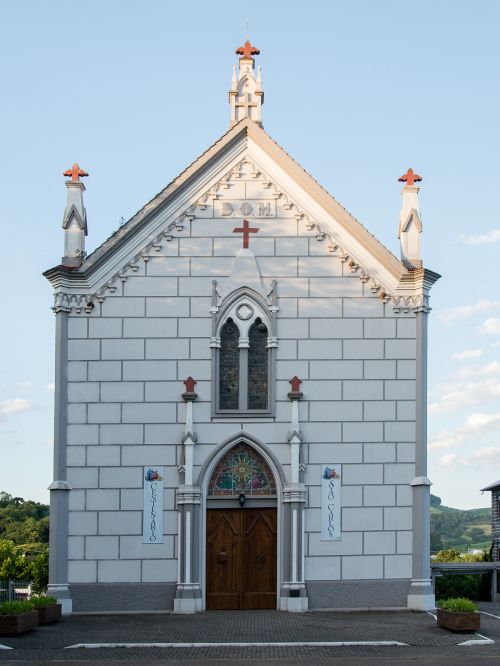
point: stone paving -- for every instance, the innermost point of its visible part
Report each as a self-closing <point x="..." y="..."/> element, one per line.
<point x="417" y="630"/>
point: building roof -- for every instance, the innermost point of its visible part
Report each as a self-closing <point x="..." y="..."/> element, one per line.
<point x="492" y="486"/>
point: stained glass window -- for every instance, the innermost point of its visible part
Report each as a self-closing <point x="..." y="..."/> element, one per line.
<point x="257" y="366"/>
<point x="242" y="470"/>
<point x="229" y="366"/>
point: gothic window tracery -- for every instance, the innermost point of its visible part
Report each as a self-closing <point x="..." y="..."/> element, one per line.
<point x="242" y="470"/>
<point x="229" y="366"/>
<point x="257" y="365"/>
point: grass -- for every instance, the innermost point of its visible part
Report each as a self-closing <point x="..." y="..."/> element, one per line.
<point x="458" y="605"/>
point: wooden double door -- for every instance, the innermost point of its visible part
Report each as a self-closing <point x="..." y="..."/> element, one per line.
<point x="241" y="559"/>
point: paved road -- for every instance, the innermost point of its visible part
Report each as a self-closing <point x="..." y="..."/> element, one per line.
<point x="425" y="642"/>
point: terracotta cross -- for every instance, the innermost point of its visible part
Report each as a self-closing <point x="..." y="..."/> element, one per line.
<point x="247" y="50"/>
<point x="410" y="178"/>
<point x="190" y="383"/>
<point x="246" y="230"/>
<point x="75" y="172"/>
<point x="295" y="382"/>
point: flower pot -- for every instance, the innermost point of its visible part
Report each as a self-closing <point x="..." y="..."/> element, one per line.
<point x="453" y="621"/>
<point x="11" y="625"/>
<point x="47" y="614"/>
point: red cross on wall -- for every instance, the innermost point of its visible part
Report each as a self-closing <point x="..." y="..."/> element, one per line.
<point x="246" y="230"/>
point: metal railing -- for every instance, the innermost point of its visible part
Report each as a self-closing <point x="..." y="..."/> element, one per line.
<point x="15" y="590"/>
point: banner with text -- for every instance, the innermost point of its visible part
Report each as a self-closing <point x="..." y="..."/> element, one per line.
<point x="330" y="502"/>
<point x="152" y="521"/>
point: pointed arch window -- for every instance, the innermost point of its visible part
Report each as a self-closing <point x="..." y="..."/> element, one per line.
<point x="243" y="361"/>
<point x="257" y="365"/>
<point x="229" y="366"/>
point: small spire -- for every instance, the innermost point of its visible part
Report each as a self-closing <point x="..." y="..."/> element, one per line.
<point x="246" y="96"/>
<point x="410" y="223"/>
<point x="75" y="218"/>
<point x="76" y="173"/>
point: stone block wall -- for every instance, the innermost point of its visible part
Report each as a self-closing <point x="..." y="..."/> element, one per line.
<point x="127" y="360"/>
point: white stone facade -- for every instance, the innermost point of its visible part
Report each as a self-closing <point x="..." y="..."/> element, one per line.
<point x="140" y="314"/>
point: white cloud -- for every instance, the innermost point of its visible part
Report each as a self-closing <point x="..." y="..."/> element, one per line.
<point x="491" y="326"/>
<point x="476" y="371"/>
<point x="480" y="239"/>
<point x="489" y="454"/>
<point x="448" y="459"/>
<point x="24" y="386"/>
<point x="465" y="311"/>
<point x="15" y="406"/>
<point x="467" y="354"/>
<point x="476" y="424"/>
<point x="466" y="395"/>
<point x="50" y="388"/>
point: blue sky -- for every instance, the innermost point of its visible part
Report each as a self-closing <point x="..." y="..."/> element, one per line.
<point x="357" y="92"/>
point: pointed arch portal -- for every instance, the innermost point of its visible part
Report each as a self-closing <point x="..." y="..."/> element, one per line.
<point x="241" y="541"/>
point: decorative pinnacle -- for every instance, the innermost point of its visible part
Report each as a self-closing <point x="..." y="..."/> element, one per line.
<point x="190" y="383"/>
<point x="295" y="393"/>
<point x="247" y="50"/>
<point x="189" y="395"/>
<point x="410" y="178"/>
<point x="75" y="172"/>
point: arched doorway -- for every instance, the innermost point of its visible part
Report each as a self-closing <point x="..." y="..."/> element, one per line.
<point x="241" y="550"/>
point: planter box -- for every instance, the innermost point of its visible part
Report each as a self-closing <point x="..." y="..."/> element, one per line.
<point x="47" y="614"/>
<point x="11" y="625"/>
<point x="468" y="622"/>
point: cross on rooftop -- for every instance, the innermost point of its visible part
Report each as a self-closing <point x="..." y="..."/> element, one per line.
<point x="75" y="172"/>
<point x="410" y="178"/>
<point x="246" y="230"/>
<point x="247" y="50"/>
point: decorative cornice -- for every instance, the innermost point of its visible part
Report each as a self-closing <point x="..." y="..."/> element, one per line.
<point x="79" y="303"/>
<point x="188" y="495"/>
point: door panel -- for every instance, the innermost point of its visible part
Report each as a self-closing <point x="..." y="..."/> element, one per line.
<point x="241" y="558"/>
<point x="259" y="559"/>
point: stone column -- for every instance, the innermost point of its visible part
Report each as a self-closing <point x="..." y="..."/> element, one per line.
<point x="293" y="594"/>
<point x="59" y="497"/>
<point x="420" y="595"/>
<point x="188" y="592"/>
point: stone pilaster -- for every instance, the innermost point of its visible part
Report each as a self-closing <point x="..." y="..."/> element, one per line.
<point x="188" y="592"/>
<point x="59" y="498"/>
<point x="293" y="593"/>
<point x="420" y="595"/>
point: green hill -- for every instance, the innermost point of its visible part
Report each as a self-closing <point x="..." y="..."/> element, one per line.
<point x="459" y="529"/>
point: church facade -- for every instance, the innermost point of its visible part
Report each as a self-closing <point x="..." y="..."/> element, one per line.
<point x="240" y="409"/>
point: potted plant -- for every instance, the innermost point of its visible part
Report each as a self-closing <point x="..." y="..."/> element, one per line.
<point x="48" y="608"/>
<point x="16" y="617"/>
<point x="458" y="614"/>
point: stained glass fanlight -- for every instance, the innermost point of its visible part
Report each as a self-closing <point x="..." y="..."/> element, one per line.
<point x="242" y="470"/>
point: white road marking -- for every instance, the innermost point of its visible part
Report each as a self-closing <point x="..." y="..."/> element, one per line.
<point x="432" y="615"/>
<point x="490" y="614"/>
<point x="205" y="645"/>
<point x="5" y="647"/>
<point x="484" y="640"/>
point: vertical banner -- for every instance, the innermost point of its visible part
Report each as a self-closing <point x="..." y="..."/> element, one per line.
<point x="152" y="521"/>
<point x="330" y="502"/>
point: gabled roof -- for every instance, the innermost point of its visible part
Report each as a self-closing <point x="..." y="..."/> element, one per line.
<point x="245" y="129"/>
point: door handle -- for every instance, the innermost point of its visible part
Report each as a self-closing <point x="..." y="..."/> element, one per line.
<point x="261" y="559"/>
<point x="222" y="557"/>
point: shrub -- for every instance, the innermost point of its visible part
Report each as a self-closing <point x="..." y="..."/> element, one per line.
<point x="15" y="607"/>
<point x="472" y="586"/>
<point x="459" y="605"/>
<point x="449" y="555"/>
<point x="42" y="601"/>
